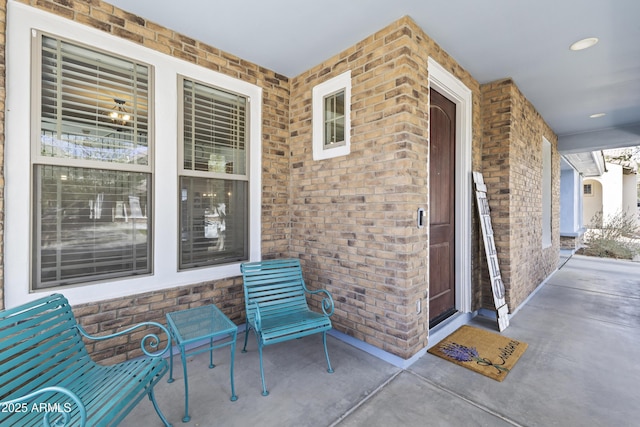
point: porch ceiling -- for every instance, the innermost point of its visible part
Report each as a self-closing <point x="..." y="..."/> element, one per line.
<point x="590" y="163"/>
<point x="492" y="39"/>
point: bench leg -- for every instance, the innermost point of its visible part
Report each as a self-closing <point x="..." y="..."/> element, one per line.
<point x="157" y="408"/>
<point x="326" y="353"/>
<point x="246" y="335"/>
<point x="244" y="350"/>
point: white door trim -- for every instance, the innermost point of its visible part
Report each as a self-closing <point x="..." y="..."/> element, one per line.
<point x="456" y="91"/>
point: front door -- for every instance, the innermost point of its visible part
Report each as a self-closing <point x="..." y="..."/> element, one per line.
<point x="442" y="280"/>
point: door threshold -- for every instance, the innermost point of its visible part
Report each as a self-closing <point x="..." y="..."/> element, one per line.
<point x="447" y="327"/>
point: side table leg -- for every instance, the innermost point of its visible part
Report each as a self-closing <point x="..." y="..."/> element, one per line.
<point x="233" y="356"/>
<point x="183" y="356"/>
<point x="170" y="380"/>
<point x="211" y="365"/>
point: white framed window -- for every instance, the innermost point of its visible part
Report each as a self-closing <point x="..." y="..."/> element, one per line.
<point x="332" y="117"/>
<point x="91" y="164"/>
<point x="161" y="167"/>
<point x="588" y="190"/>
<point x="213" y="175"/>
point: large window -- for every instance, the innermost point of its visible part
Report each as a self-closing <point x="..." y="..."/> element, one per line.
<point x="91" y="165"/>
<point x="214" y="192"/>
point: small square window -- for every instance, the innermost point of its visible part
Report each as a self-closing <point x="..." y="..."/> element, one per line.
<point x="334" y="120"/>
<point x="331" y="117"/>
<point x="587" y="190"/>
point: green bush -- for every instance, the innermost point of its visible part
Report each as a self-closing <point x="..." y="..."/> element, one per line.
<point x="615" y="237"/>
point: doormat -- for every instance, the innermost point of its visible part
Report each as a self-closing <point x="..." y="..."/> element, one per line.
<point x="485" y="352"/>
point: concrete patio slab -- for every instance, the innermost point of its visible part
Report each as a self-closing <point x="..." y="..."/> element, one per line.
<point x="411" y="400"/>
<point x="301" y="391"/>
<point x="581" y="368"/>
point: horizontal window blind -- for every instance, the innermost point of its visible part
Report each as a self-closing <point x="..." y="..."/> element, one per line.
<point x="213" y="221"/>
<point x="214" y="225"/>
<point x="92" y="224"/>
<point x="94" y="106"/>
<point x="214" y="123"/>
<point x="91" y="219"/>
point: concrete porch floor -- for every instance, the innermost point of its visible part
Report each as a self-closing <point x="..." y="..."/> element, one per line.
<point x="582" y="367"/>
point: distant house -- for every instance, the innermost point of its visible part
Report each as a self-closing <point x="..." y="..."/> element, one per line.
<point x="591" y="183"/>
<point x="612" y="192"/>
<point x="574" y="169"/>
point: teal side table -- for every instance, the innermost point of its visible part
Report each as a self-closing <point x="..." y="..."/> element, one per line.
<point x="197" y="324"/>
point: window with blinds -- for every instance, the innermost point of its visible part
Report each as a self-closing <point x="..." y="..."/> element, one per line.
<point x="94" y="106"/>
<point x="213" y="176"/>
<point x="91" y="165"/>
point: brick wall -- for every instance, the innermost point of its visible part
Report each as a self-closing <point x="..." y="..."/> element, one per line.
<point x="530" y="262"/>
<point x="512" y="169"/>
<point x="571" y="242"/>
<point x="106" y="317"/>
<point x="353" y="217"/>
<point x="350" y="219"/>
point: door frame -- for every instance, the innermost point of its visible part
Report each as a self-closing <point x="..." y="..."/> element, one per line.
<point x="452" y="88"/>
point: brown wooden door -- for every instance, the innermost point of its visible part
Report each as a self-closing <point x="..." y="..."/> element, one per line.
<point x="442" y="121"/>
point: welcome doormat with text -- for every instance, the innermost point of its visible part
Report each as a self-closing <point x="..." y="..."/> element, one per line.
<point x="487" y="353"/>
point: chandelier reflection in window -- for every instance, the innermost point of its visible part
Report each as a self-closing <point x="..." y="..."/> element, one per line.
<point x="119" y="114"/>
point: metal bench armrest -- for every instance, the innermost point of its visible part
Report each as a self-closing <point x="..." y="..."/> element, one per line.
<point x="257" y="318"/>
<point x="150" y="340"/>
<point x="327" y="301"/>
<point x="60" y="419"/>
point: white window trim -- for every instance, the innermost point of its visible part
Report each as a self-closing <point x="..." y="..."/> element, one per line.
<point x="21" y="19"/>
<point x="333" y="85"/>
<point x="186" y="173"/>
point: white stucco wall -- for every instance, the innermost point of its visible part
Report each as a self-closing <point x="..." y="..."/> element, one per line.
<point x="592" y="204"/>
<point x="630" y="196"/>
<point x="612" y="193"/>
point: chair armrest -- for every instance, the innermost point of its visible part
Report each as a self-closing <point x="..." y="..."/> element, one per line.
<point x="150" y="340"/>
<point x="257" y="318"/>
<point x="62" y="418"/>
<point x="327" y="301"/>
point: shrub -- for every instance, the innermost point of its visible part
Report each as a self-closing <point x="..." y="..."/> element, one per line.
<point x="615" y="237"/>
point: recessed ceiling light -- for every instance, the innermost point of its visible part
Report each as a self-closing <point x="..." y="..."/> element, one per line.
<point x="595" y="116"/>
<point x="584" y="43"/>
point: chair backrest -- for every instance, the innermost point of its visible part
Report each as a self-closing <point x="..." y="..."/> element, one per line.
<point x="276" y="285"/>
<point x="37" y="341"/>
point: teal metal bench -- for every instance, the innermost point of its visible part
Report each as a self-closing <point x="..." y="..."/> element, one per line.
<point x="276" y="306"/>
<point x="48" y="378"/>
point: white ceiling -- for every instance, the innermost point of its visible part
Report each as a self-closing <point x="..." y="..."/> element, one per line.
<point x="527" y="40"/>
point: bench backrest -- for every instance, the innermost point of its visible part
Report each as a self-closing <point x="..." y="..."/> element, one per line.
<point x="37" y="341"/>
<point x="276" y="285"/>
